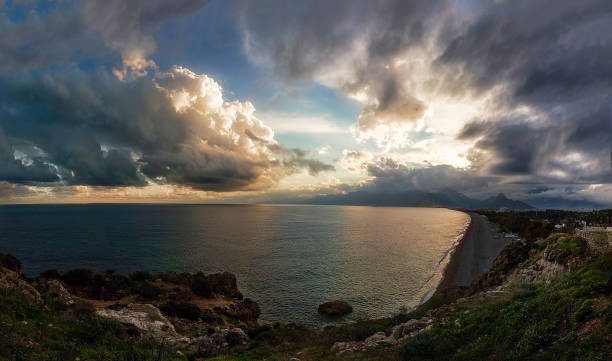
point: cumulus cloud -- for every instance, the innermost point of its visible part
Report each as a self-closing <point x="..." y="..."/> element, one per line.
<point x="174" y="128"/>
<point x="391" y="176"/>
<point x="355" y="161"/>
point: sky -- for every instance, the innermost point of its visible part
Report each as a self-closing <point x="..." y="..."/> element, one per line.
<point x="273" y="100"/>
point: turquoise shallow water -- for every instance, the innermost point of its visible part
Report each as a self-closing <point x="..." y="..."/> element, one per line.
<point x="288" y="258"/>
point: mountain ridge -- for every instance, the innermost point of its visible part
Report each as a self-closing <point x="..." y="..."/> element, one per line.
<point x="415" y="198"/>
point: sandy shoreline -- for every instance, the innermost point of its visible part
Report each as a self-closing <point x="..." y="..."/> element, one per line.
<point x="472" y="256"/>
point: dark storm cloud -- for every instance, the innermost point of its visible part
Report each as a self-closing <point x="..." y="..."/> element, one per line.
<point x="356" y="39"/>
<point x="80" y="30"/>
<point x="544" y="62"/>
<point x="93" y="129"/>
<point x="557" y="65"/>
<point x="391" y="176"/>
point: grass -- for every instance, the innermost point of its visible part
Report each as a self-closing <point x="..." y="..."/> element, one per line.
<point x="537" y="321"/>
<point x="38" y="333"/>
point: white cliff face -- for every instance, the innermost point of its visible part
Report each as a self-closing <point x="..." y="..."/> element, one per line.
<point x="147" y="318"/>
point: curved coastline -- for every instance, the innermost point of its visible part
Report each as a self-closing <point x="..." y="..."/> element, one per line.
<point x="451" y="262"/>
<point x="472" y="256"/>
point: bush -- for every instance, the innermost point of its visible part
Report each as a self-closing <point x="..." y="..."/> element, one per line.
<point x="183" y="310"/>
<point x="426" y="345"/>
<point x="584" y="311"/>
<point x="201" y="287"/>
<point x="140" y="276"/>
<point x="83" y="309"/>
<point x="148" y="291"/>
<point x="78" y="277"/>
<point x="11" y="262"/>
<point x="50" y="274"/>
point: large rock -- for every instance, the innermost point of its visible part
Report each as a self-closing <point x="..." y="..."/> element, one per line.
<point x="246" y="310"/>
<point x="224" y="284"/>
<point x="56" y="293"/>
<point x="335" y="308"/>
<point x="223" y="339"/>
<point x="13" y="286"/>
<point x="148" y="318"/>
<point x="377" y="339"/>
<point x="406" y="328"/>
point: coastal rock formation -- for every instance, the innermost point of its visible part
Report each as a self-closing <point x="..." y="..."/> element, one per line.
<point x="224" y="284"/>
<point x="510" y="257"/>
<point x="405" y="329"/>
<point x="335" y="308"/>
<point x="541" y="271"/>
<point x="56" y="293"/>
<point x="247" y="310"/>
<point x="225" y="338"/>
<point x="399" y="333"/>
<point x="11" y="284"/>
<point x="148" y="318"/>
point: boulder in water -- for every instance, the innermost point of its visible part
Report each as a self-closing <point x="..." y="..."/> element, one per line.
<point x="335" y="308"/>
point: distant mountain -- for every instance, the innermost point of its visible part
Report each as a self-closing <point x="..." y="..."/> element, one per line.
<point x="561" y="203"/>
<point x="443" y="198"/>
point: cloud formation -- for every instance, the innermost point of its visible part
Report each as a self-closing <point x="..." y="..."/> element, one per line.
<point x="545" y="81"/>
<point x="175" y="128"/>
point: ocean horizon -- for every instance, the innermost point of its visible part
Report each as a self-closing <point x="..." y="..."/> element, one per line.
<point x="288" y="258"/>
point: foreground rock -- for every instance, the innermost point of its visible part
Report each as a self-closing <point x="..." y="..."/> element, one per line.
<point x="56" y="293"/>
<point x="399" y="333"/>
<point x="11" y="284"/>
<point x="335" y="308"/>
<point x="146" y="318"/>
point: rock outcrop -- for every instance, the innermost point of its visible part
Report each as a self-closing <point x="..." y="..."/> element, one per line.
<point x="399" y="333"/>
<point x="335" y="308"/>
<point x="147" y="318"/>
<point x="56" y="293"/>
<point x="246" y="310"/>
<point x="13" y="286"/>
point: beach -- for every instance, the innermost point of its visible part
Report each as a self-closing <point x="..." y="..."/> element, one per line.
<point x="473" y="255"/>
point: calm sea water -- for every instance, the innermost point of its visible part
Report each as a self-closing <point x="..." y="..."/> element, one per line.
<point x="288" y="258"/>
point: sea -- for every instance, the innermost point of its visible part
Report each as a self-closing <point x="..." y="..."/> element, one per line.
<point x="288" y="258"/>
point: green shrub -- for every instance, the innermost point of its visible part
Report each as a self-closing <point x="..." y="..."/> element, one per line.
<point x="584" y="311"/>
<point x="83" y="309"/>
<point x="50" y="274"/>
<point x="184" y="310"/>
<point x="201" y="287"/>
<point x="78" y="277"/>
<point x="148" y="291"/>
<point x="425" y="345"/>
<point x="140" y="276"/>
<point x="11" y="262"/>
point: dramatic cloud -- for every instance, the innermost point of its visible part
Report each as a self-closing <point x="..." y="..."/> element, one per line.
<point x="79" y="30"/>
<point x="391" y="176"/>
<point x="511" y="96"/>
<point x="362" y="48"/>
<point x="122" y="25"/>
<point x="555" y="68"/>
<point x="538" y="69"/>
<point x="175" y="128"/>
<point x="354" y="160"/>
